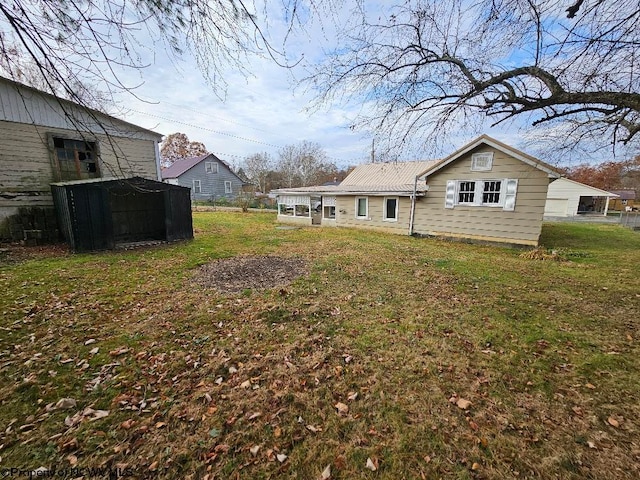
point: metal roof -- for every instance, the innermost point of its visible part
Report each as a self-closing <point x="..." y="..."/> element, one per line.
<point x="178" y="167"/>
<point x="387" y="174"/>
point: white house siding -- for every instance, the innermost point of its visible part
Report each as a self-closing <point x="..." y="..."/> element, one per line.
<point x="520" y="226"/>
<point x="346" y="214"/>
<point x="567" y="192"/>
<point x="26" y="166"/>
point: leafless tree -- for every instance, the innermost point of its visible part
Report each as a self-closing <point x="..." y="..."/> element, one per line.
<point x="87" y="51"/>
<point x="303" y="164"/>
<point x="425" y="68"/>
<point x="257" y="168"/>
<point x="95" y="42"/>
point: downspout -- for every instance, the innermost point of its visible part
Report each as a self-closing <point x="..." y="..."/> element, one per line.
<point x="413" y="205"/>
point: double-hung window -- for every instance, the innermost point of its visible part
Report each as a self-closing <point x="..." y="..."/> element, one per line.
<point x="362" y="207"/>
<point x="227" y="186"/>
<point x="197" y="186"/>
<point x="482" y="193"/>
<point x="390" y="209"/>
<point x="466" y="192"/>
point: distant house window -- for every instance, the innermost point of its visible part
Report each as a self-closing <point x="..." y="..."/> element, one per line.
<point x="211" y="167"/>
<point x="391" y="209"/>
<point x="482" y="193"/>
<point x="362" y="207"/>
<point x="227" y="186"/>
<point x="197" y="186"/>
<point x="75" y="159"/>
<point x="481" y="162"/>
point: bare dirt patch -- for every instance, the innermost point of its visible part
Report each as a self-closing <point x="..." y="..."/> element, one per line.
<point x="233" y="275"/>
<point x="11" y="253"/>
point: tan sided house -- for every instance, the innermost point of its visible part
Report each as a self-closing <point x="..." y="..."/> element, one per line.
<point x="486" y="191"/>
<point x="46" y="140"/>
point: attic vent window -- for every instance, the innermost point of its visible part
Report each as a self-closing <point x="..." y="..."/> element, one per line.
<point x="75" y="159"/>
<point x="481" y="162"/>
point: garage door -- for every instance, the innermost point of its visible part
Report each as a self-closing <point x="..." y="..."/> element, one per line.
<point x="556" y="207"/>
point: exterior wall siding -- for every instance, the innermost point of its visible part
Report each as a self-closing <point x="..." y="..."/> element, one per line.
<point x="212" y="184"/>
<point x="375" y="221"/>
<point x="26" y="165"/>
<point x="570" y="192"/>
<point x="521" y="226"/>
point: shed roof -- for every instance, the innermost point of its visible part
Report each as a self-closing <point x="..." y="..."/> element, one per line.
<point x="135" y="182"/>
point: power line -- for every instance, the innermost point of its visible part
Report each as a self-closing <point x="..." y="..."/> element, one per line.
<point x="205" y="128"/>
<point x="213" y="116"/>
<point x="152" y="115"/>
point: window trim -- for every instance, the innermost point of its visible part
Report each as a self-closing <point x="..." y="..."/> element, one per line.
<point x="384" y="209"/>
<point x="57" y="167"/>
<point x="326" y="212"/>
<point x="209" y="167"/>
<point x="366" y="208"/>
<point x="506" y="195"/>
<point x="227" y="183"/>
<point x="196" y="189"/>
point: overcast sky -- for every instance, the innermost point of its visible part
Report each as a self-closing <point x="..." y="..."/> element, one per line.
<point x="261" y="112"/>
<point x="267" y="109"/>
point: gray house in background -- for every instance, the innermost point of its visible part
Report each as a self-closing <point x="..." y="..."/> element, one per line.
<point x="208" y="177"/>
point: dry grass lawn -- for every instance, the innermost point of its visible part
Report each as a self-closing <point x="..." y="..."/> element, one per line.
<point x="365" y="356"/>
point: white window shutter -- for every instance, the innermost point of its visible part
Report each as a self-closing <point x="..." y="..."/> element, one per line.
<point x="450" y="194"/>
<point x="510" y="194"/>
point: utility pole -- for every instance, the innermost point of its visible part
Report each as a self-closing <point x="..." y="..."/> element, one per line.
<point x="373" y="150"/>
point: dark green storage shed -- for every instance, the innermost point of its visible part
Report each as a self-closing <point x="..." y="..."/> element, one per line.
<point x="100" y="214"/>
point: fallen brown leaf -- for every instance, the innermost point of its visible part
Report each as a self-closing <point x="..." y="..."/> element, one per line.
<point x="342" y="408"/>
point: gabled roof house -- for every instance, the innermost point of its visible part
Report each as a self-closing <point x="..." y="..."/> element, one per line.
<point x="486" y="191"/>
<point x="208" y="177"/>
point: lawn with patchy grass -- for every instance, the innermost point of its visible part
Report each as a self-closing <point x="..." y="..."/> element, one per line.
<point x="390" y="357"/>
